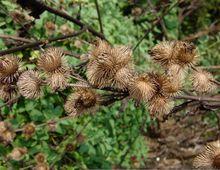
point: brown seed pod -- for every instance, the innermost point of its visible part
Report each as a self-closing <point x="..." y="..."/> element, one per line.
<point x="160" y="105"/>
<point x="17" y="153"/>
<point x="108" y="68"/>
<point x="7" y="91"/>
<point x="100" y="47"/>
<point x="142" y="88"/>
<point x="6" y="133"/>
<point x="29" y="84"/>
<point x="52" y="60"/>
<point x="209" y="158"/>
<point x="174" y="52"/>
<point x="40" y="158"/>
<point x="58" y="81"/>
<point x="203" y="82"/>
<point x="82" y="100"/>
<point x="29" y="130"/>
<point x="9" y="69"/>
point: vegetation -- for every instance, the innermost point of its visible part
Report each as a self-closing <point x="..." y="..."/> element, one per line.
<point x="109" y="84"/>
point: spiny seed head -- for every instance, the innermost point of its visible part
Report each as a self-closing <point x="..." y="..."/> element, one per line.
<point x="52" y="60"/>
<point x="17" y="153"/>
<point x="99" y="47"/>
<point x="9" y="69"/>
<point x="80" y="101"/>
<point x="29" y="130"/>
<point x="203" y="82"/>
<point x="210" y="157"/>
<point x="165" y="86"/>
<point x="102" y="70"/>
<point x="29" y="84"/>
<point x="160" y="105"/>
<point x="7" y="91"/>
<point x="58" y="81"/>
<point x="142" y="88"/>
<point x="162" y="52"/>
<point x="40" y="158"/>
<point x="174" y="52"/>
<point x="6" y="133"/>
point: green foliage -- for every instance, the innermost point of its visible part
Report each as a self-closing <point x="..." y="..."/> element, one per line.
<point x="113" y="137"/>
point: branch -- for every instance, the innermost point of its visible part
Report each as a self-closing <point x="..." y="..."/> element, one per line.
<point x="211" y="29"/>
<point x="15" y="38"/>
<point x="154" y="24"/>
<point x="99" y="16"/>
<point x="40" y="42"/>
<point x="198" y="98"/>
<point x="63" y="15"/>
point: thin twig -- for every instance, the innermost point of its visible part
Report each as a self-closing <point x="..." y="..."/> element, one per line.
<point x="40" y="42"/>
<point x="99" y="16"/>
<point x="67" y="17"/>
<point x="155" y="23"/>
<point x="198" y="98"/>
<point x="15" y="38"/>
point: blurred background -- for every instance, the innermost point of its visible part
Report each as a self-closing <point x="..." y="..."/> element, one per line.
<point x="120" y="135"/>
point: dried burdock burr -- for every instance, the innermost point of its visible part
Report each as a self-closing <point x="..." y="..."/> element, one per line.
<point x="17" y="153"/>
<point x="6" y="133"/>
<point x="53" y="60"/>
<point x="160" y="105"/>
<point x="9" y="69"/>
<point x="209" y="158"/>
<point x="7" y="91"/>
<point x="58" y="81"/>
<point x="142" y="88"/>
<point x="174" y="52"/>
<point x="110" y="67"/>
<point x="29" y="130"/>
<point x="80" y="101"/>
<point x="29" y="84"/>
<point x="203" y="81"/>
<point x="99" y="47"/>
<point x="40" y="158"/>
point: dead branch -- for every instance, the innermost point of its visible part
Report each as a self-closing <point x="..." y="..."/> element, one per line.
<point x="15" y="38"/>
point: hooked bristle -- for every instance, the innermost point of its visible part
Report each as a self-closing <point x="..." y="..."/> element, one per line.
<point x="142" y="88"/>
<point x="174" y="52"/>
<point x="80" y="101"/>
<point x="29" y="84"/>
<point x="107" y="68"/>
<point x="9" y="69"/>
<point x="160" y="105"/>
<point x="209" y="157"/>
<point x="52" y="60"/>
<point x="58" y="81"/>
<point x="203" y="81"/>
<point x="7" y="92"/>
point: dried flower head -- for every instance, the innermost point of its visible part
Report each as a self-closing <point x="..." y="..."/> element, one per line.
<point x="160" y="105"/>
<point x="29" y="130"/>
<point x="174" y="52"/>
<point x="100" y="47"/>
<point x="7" y="91"/>
<point x="40" y="158"/>
<point x="52" y="60"/>
<point x="65" y="29"/>
<point x="210" y="157"/>
<point x="29" y="84"/>
<point x="6" y="133"/>
<point x="165" y="85"/>
<point x="113" y="67"/>
<point x="50" y="27"/>
<point x="9" y="69"/>
<point x="203" y="81"/>
<point x="42" y="166"/>
<point x="80" y="101"/>
<point x="17" y="153"/>
<point x="142" y="88"/>
<point x="58" y="81"/>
